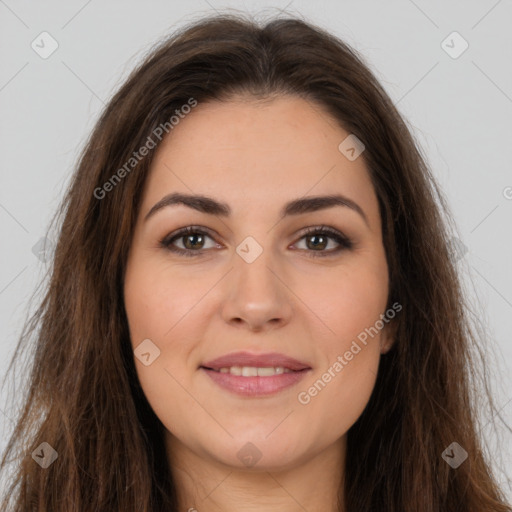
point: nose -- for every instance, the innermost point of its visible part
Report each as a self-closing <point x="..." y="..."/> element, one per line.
<point x="257" y="295"/>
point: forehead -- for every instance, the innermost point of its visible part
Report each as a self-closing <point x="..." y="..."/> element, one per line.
<point x="250" y="153"/>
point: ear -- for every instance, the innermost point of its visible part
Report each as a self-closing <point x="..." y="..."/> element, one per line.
<point x="388" y="336"/>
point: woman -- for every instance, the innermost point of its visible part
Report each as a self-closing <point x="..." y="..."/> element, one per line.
<point x="253" y="304"/>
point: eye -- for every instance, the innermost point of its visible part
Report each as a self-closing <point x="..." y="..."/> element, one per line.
<point x="193" y="240"/>
<point x="192" y="237"/>
<point x="317" y="238"/>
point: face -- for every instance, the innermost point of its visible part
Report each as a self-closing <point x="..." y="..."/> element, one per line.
<point x="308" y="284"/>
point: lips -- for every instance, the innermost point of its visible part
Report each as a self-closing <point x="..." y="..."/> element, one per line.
<point x="272" y="359"/>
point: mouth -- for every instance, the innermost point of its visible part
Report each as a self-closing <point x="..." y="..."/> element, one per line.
<point x="243" y="381"/>
<point x="251" y="360"/>
<point x="254" y="375"/>
<point x="252" y="371"/>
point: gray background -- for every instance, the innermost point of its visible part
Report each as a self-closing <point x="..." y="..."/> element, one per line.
<point x="459" y="110"/>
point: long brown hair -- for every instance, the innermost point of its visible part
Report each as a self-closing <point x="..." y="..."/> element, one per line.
<point x="83" y="396"/>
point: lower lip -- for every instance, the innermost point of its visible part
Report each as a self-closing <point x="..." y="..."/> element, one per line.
<point x="255" y="386"/>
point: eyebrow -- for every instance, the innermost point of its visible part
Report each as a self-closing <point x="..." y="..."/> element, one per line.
<point x="299" y="206"/>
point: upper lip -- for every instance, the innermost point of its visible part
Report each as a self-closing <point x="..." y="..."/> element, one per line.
<point x="270" y="359"/>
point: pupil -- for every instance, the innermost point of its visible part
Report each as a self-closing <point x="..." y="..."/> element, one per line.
<point x="315" y="237"/>
<point x="189" y="237"/>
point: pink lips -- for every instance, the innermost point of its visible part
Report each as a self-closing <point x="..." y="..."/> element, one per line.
<point x="255" y="386"/>
<point x="258" y="360"/>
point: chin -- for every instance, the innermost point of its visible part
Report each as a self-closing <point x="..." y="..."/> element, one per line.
<point x="258" y="453"/>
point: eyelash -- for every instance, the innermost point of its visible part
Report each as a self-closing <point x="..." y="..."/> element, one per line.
<point x="345" y="243"/>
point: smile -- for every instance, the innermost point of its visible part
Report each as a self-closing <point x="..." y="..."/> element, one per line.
<point x="253" y="371"/>
<point x="254" y="381"/>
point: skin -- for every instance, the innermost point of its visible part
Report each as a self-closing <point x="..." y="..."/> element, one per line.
<point x="255" y="157"/>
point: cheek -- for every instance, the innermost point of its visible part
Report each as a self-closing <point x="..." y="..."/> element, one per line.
<point x="348" y="301"/>
<point x="338" y="397"/>
<point x="339" y="389"/>
<point x="342" y="384"/>
<point x="158" y="301"/>
<point x="164" y="311"/>
<point x="153" y="311"/>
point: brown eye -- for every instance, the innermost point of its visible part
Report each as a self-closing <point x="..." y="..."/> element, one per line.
<point x="318" y="239"/>
<point x="192" y="240"/>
